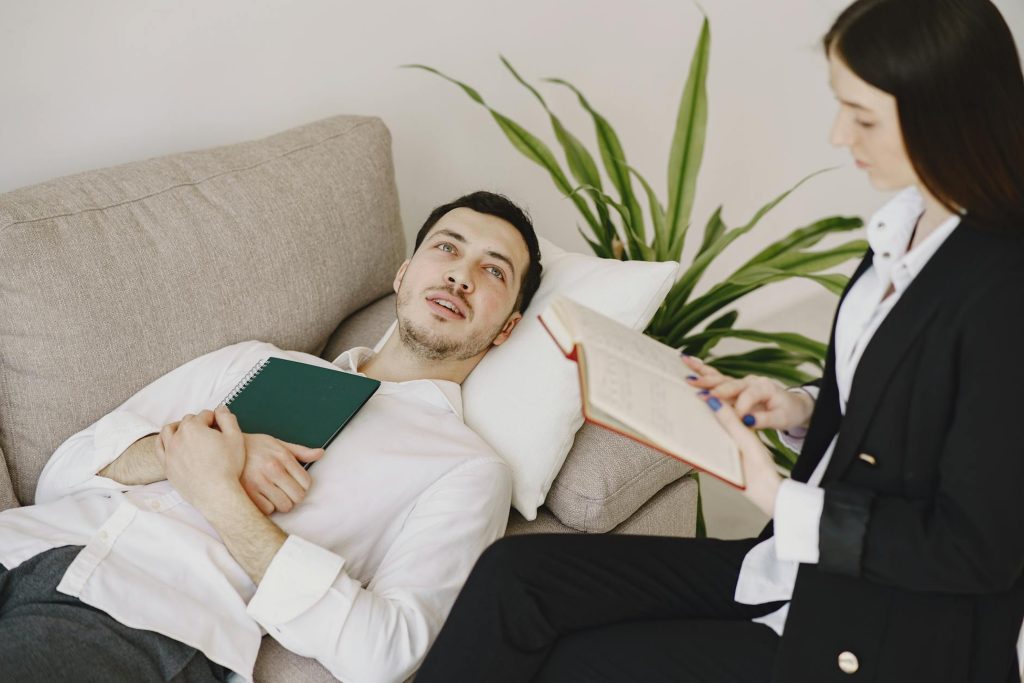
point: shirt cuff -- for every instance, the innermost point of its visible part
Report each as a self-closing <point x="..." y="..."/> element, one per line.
<point x="798" y="509"/>
<point x="115" y="432"/>
<point x="299" y="575"/>
<point x="794" y="438"/>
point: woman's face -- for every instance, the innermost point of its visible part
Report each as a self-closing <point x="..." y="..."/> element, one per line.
<point x="868" y="125"/>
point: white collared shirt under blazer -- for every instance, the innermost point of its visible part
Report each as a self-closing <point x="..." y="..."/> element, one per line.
<point x="403" y="502"/>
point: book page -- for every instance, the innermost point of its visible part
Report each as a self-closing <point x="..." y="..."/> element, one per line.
<point x="591" y="328"/>
<point x="668" y="414"/>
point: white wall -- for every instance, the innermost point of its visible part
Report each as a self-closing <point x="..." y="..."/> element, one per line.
<point x="90" y="84"/>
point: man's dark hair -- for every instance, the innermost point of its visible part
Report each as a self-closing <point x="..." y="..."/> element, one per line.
<point x="501" y="207"/>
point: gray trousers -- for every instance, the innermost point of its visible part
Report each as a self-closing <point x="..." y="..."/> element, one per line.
<point x="49" y="636"/>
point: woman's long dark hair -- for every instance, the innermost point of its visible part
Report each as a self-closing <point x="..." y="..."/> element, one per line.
<point x="956" y="75"/>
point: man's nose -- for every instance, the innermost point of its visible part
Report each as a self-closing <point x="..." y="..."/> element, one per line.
<point x="459" y="279"/>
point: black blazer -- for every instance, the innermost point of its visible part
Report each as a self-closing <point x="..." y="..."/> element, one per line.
<point x="922" y="533"/>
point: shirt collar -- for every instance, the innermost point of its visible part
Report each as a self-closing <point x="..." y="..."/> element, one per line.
<point x="889" y="233"/>
<point x="446" y="393"/>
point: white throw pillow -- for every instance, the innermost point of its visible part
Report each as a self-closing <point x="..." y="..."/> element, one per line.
<point x="523" y="398"/>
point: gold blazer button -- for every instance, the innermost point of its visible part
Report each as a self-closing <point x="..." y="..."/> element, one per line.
<point x="848" y="663"/>
<point x="868" y="458"/>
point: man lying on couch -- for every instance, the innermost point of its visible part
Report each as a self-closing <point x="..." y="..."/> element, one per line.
<point x="153" y="556"/>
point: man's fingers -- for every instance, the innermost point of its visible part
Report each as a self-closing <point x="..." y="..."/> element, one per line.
<point x="260" y="501"/>
<point x="304" y="453"/>
<point x="226" y="420"/>
<point x="276" y="496"/>
<point x="277" y="475"/>
<point x="298" y="473"/>
<point x="166" y="432"/>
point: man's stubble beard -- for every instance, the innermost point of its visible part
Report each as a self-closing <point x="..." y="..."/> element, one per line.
<point x="429" y="346"/>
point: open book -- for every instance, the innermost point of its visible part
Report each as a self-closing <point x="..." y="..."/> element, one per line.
<point x="636" y="386"/>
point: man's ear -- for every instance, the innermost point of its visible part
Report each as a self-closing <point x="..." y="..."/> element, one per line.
<point x="400" y="274"/>
<point x="506" y="330"/>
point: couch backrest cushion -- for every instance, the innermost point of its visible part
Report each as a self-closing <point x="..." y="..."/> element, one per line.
<point x="7" y="499"/>
<point x="110" y="278"/>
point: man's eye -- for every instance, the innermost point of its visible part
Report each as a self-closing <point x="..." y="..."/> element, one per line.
<point x="496" y="272"/>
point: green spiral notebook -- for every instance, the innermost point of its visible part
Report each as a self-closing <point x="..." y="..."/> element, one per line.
<point x="298" y="402"/>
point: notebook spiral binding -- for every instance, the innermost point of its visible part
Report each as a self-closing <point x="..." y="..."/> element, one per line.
<point x="245" y="381"/>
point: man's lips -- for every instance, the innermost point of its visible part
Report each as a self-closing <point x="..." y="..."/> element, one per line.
<point x="442" y="311"/>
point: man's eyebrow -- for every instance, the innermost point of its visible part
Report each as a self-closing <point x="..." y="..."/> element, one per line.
<point x="493" y="254"/>
<point x="451" y="233"/>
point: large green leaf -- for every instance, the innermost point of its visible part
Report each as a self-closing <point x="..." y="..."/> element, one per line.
<point x="682" y="289"/>
<point x="701" y="347"/>
<point x="739" y="367"/>
<point x="788" y="341"/>
<point x="713" y="231"/>
<point x="803" y="238"/>
<point x="612" y="155"/>
<point x="799" y="263"/>
<point x="687" y="149"/>
<point x="833" y="282"/>
<point x="680" y="321"/>
<point x="657" y="212"/>
<point x="528" y="144"/>
<point x="638" y="250"/>
<point x="581" y="163"/>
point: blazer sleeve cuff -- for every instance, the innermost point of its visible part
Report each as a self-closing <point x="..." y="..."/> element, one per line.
<point x="844" y="523"/>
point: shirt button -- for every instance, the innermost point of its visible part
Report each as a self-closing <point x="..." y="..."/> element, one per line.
<point x="154" y="505"/>
<point x="848" y="663"/>
<point x="103" y="535"/>
<point x="886" y="254"/>
<point x="881" y="225"/>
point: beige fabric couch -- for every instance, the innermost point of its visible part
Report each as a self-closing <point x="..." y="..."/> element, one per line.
<point x="111" y="278"/>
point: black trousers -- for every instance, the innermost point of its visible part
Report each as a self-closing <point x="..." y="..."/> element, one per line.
<point x="571" y="608"/>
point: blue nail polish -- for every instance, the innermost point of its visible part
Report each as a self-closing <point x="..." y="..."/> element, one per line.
<point x="703" y="392"/>
<point x="749" y="420"/>
<point x="691" y="377"/>
<point x="714" y="404"/>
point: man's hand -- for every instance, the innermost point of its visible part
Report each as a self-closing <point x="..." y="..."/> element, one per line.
<point x="203" y="456"/>
<point x="273" y="476"/>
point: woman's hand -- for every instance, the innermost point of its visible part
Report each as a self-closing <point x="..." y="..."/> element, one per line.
<point x="760" y="402"/>
<point x="759" y="472"/>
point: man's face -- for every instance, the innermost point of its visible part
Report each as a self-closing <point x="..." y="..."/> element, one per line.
<point x="470" y="262"/>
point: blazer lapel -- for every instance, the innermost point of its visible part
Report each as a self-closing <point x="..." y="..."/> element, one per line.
<point x="947" y="269"/>
<point x="827" y="414"/>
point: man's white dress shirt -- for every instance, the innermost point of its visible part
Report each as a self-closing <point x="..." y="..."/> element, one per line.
<point x="769" y="569"/>
<point x="402" y="503"/>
